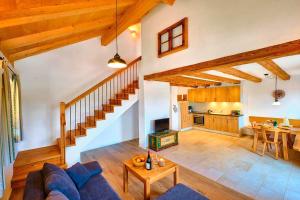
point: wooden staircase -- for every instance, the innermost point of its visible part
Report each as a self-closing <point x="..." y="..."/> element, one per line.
<point x="90" y="121"/>
<point x="76" y="117"/>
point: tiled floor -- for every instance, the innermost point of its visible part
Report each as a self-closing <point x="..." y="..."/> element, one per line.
<point x="229" y="161"/>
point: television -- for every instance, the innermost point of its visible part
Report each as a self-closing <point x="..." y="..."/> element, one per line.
<point x="161" y="125"/>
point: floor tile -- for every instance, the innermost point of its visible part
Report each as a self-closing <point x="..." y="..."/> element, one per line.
<point x="230" y="161"/>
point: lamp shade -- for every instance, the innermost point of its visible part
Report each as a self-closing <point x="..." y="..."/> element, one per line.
<point x="117" y="62"/>
<point x="276" y="103"/>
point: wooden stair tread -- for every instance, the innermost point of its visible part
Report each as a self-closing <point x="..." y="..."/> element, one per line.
<point x="86" y="125"/>
<point x="23" y="176"/>
<point x="36" y="155"/>
<point x="76" y="132"/>
<point x="19" y="180"/>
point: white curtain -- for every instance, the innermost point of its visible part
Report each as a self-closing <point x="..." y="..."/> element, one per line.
<point x="10" y="118"/>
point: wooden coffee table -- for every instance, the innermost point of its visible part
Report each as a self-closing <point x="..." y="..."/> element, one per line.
<point x="149" y="176"/>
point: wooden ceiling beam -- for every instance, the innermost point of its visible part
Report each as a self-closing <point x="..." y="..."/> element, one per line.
<point x="170" y="2"/>
<point x="271" y="66"/>
<point x="54" y="45"/>
<point x="182" y="85"/>
<point x="31" y="39"/>
<point x="276" y="51"/>
<point x="185" y="80"/>
<point x="26" y="16"/>
<point x="213" y="77"/>
<point x="132" y="16"/>
<point x="240" y="74"/>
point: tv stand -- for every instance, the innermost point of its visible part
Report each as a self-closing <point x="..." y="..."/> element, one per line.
<point x="163" y="140"/>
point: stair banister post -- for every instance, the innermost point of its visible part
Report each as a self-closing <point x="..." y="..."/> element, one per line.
<point x="62" y="132"/>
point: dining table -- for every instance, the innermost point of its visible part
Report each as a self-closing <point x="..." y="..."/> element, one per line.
<point x="283" y="130"/>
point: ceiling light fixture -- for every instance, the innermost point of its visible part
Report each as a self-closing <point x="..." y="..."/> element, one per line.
<point x="276" y="101"/>
<point x="117" y="61"/>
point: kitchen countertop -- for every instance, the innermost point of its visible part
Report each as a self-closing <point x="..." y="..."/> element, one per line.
<point x="205" y="113"/>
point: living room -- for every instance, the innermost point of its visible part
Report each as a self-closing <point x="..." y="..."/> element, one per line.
<point x="179" y="54"/>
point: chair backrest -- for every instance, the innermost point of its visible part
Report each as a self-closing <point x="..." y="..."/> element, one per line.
<point x="296" y="145"/>
<point x="295" y="122"/>
<point x="267" y="131"/>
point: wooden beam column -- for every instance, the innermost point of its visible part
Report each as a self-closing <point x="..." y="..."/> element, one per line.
<point x="240" y="74"/>
<point x="271" y="66"/>
<point x="130" y="17"/>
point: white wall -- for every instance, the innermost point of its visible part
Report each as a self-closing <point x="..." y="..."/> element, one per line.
<point x="258" y="99"/>
<point x="219" y="28"/>
<point x="155" y="100"/>
<point x="60" y="75"/>
<point x="123" y="129"/>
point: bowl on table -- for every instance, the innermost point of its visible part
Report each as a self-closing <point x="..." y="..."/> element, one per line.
<point x="139" y="161"/>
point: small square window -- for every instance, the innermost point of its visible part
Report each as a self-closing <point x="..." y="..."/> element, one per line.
<point x="173" y="38"/>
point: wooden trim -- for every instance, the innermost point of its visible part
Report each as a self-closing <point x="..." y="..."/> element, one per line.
<point x="62" y="132"/>
<point x="183" y="85"/>
<point x="271" y="52"/>
<point x="240" y="74"/>
<point x="70" y="103"/>
<point x="272" y="67"/>
<point x="184" y="34"/>
<point x="186" y="81"/>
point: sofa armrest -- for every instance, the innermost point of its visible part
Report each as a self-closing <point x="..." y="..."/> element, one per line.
<point x="34" y="189"/>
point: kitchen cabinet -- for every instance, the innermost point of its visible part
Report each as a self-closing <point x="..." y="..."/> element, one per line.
<point x="221" y="94"/>
<point x="233" y="125"/>
<point x="200" y="95"/>
<point x="209" y="121"/>
<point x="210" y="94"/>
<point x="216" y="94"/>
<point x="222" y="123"/>
<point x="187" y="118"/>
<point x="191" y="95"/>
<point x="234" y="94"/>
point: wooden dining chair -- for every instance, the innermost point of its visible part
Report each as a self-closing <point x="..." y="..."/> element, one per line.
<point x="258" y="135"/>
<point x="271" y="137"/>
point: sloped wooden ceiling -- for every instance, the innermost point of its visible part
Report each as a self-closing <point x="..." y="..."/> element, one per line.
<point x="30" y="27"/>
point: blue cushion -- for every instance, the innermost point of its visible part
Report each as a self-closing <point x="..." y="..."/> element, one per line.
<point x="34" y="189"/>
<point x="180" y="192"/>
<point x="93" y="167"/>
<point x="79" y="174"/>
<point x="97" y="188"/>
<point x="57" y="179"/>
<point x="56" y="195"/>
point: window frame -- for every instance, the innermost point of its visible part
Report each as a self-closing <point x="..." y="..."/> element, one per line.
<point x="184" y="23"/>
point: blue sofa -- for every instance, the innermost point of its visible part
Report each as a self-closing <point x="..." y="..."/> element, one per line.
<point x="95" y="187"/>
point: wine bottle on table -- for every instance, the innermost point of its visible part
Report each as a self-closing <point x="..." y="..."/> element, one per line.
<point x="148" y="163"/>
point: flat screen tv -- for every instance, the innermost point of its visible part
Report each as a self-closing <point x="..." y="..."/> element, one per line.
<point x="161" y="125"/>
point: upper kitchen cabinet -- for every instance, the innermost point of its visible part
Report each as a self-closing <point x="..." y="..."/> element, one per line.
<point x="217" y="94"/>
<point x="234" y="94"/>
<point x="221" y="94"/>
<point x="191" y="95"/>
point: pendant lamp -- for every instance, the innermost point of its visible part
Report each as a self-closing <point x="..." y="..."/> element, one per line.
<point x="117" y="61"/>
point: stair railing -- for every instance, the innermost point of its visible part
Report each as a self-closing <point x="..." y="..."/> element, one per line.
<point x="84" y="110"/>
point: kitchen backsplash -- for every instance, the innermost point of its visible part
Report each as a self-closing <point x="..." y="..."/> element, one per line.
<point x="218" y="107"/>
